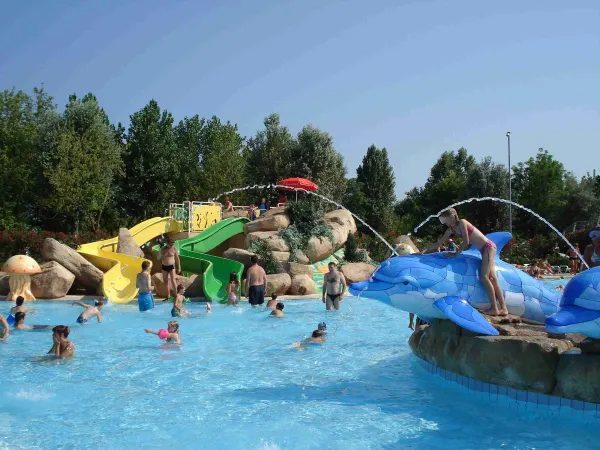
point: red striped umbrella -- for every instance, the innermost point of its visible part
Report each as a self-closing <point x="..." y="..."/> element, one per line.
<point x="289" y="184"/>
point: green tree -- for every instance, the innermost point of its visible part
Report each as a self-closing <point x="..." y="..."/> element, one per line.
<point x="378" y="182"/>
<point x="223" y="161"/>
<point x="80" y="159"/>
<point x="315" y="158"/>
<point x="188" y="137"/>
<point x="539" y="184"/>
<point x="21" y="118"/>
<point x="151" y="164"/>
<point x="270" y="153"/>
<point x="354" y="198"/>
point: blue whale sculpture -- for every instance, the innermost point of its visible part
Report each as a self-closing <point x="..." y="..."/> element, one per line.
<point x="580" y="306"/>
<point x="435" y="286"/>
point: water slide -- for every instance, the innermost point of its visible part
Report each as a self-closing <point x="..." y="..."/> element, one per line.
<point x="118" y="283"/>
<point x="215" y="270"/>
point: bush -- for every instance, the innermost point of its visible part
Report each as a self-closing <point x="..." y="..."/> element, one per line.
<point x="306" y="221"/>
<point x="351" y="250"/>
<point x="29" y="242"/>
<point x="265" y="255"/>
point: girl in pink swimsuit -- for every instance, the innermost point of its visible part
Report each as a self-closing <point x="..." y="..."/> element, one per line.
<point x="487" y="273"/>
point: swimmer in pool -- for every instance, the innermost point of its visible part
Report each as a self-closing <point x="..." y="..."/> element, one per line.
<point x="61" y="345"/>
<point x="20" y="323"/>
<point x="172" y="332"/>
<point x="178" y="310"/>
<point x="271" y="304"/>
<point x="5" y="326"/>
<point x="322" y="327"/>
<point x="18" y="308"/>
<point x="317" y="337"/>
<point x="278" y="311"/>
<point x="89" y="311"/>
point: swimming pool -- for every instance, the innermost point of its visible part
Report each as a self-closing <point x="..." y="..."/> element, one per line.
<point x="235" y="383"/>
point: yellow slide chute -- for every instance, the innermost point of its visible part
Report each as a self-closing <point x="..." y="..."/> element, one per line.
<point x="118" y="283"/>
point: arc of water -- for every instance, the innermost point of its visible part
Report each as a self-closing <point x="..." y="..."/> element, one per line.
<point x="275" y="186"/>
<point x="476" y="199"/>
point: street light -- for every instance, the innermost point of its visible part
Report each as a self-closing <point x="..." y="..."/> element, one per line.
<point x="509" y="186"/>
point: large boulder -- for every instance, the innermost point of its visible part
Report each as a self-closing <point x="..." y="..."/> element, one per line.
<point x="161" y="288"/>
<point x="270" y="223"/>
<point x="319" y="248"/>
<point x="127" y="246"/>
<point x="196" y="289"/>
<point x="301" y="257"/>
<point x="355" y="272"/>
<point x="341" y="217"/>
<point x="86" y="274"/>
<point x="154" y="258"/>
<point x="54" y="281"/>
<point x="302" y="285"/>
<point x="239" y="255"/>
<point x="278" y="283"/>
<point x="4" y="287"/>
<point x="295" y="269"/>
<point x="578" y="377"/>
<point x="282" y="256"/>
<point x="272" y="238"/>
<point x="340" y="234"/>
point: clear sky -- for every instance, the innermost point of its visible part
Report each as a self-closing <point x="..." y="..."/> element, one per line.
<point x="417" y="77"/>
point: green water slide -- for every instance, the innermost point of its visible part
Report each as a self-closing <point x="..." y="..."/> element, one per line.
<point x="215" y="270"/>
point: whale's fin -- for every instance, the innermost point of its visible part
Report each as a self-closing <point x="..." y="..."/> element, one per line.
<point x="500" y="239"/>
<point x="461" y="313"/>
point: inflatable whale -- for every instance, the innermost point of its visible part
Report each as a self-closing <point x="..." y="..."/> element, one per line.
<point x="580" y="306"/>
<point x="433" y="286"/>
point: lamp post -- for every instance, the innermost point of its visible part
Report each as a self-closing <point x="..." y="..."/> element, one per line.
<point x="509" y="186"/>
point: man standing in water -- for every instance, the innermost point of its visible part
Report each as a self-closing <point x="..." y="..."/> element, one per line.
<point x="257" y="283"/>
<point x="334" y="287"/>
<point x="170" y="261"/>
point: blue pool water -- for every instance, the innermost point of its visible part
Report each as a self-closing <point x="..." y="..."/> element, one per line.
<point x="236" y="383"/>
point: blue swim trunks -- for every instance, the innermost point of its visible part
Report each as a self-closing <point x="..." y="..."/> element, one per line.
<point x="10" y="319"/>
<point x="145" y="301"/>
<point x="81" y="320"/>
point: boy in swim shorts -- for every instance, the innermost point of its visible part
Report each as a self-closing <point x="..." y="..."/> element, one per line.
<point x="178" y="309"/>
<point x="89" y="311"/>
<point x="144" y="283"/>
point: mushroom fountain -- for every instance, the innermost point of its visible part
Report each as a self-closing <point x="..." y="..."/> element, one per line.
<point x="20" y="267"/>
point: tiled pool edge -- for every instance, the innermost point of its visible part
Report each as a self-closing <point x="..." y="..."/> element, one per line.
<point x="525" y="397"/>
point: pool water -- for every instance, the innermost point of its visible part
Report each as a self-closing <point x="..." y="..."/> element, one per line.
<point x="237" y="382"/>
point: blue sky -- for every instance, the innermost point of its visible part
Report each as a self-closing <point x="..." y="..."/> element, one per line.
<point x="416" y="77"/>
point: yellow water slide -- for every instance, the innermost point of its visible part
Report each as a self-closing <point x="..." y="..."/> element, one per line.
<point x="118" y="283"/>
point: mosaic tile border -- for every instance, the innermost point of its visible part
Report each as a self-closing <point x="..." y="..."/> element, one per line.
<point x="516" y="395"/>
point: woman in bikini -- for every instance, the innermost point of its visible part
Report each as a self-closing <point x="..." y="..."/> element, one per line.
<point x="487" y="273"/>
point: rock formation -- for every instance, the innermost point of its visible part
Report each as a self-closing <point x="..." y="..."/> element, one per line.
<point x="54" y="282"/>
<point x="302" y="285"/>
<point x="127" y="246"/>
<point x="272" y="238"/>
<point x="523" y="357"/>
<point x="355" y="272"/>
<point x="86" y="274"/>
<point x="271" y="223"/>
<point x="278" y="283"/>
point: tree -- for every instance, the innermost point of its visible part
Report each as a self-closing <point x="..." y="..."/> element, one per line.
<point x="21" y="117"/>
<point x="376" y="177"/>
<point x="151" y="164"/>
<point x="315" y="158"/>
<point x="270" y="153"/>
<point x="80" y="159"/>
<point x="188" y="136"/>
<point x="223" y="162"/>
<point x="354" y="198"/>
<point x="539" y="184"/>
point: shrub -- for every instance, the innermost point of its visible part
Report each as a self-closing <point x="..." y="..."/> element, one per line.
<point x="306" y="221"/>
<point x="351" y="250"/>
<point x="265" y="254"/>
<point x="29" y="242"/>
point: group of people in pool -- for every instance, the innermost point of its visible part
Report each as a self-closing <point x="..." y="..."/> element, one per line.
<point x="61" y="346"/>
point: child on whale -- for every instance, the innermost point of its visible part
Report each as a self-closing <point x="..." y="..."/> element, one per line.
<point x="487" y="272"/>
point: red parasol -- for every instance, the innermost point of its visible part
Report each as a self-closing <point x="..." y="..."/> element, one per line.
<point x="289" y="184"/>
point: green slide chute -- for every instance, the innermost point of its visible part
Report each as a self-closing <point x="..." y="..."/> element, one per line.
<point x="214" y="269"/>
